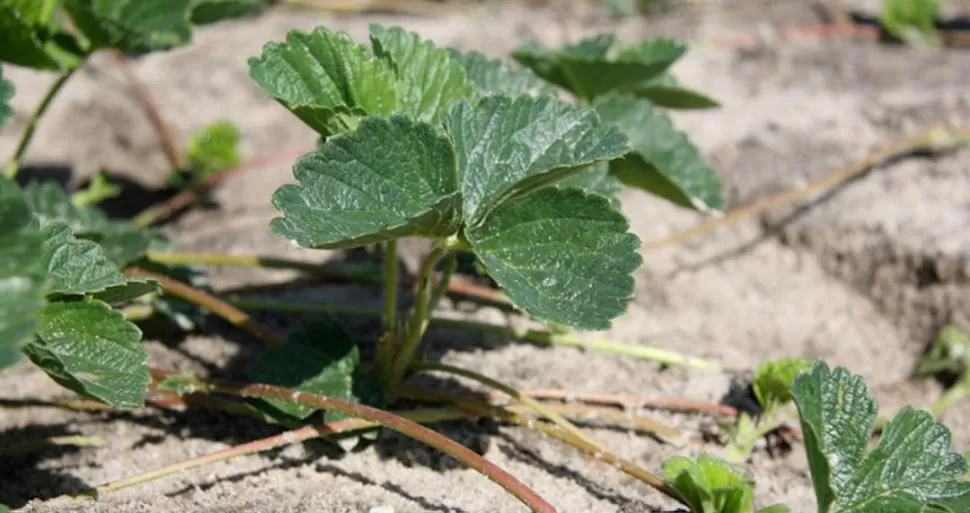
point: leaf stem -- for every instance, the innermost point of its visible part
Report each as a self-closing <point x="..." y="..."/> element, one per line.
<point x="951" y="396"/>
<point x="176" y="159"/>
<point x="390" y="420"/>
<point x="510" y="391"/>
<point x="335" y="272"/>
<point x="291" y="437"/>
<point x="390" y="286"/>
<point x="444" y="279"/>
<point x="419" y="318"/>
<point x="185" y="197"/>
<point x="654" y="354"/>
<point x="10" y="171"/>
<point x="485" y="409"/>
<point x="230" y="313"/>
<point x="633" y="401"/>
<point x="931" y="139"/>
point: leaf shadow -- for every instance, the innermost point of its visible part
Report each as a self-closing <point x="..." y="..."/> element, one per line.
<point x="24" y="475"/>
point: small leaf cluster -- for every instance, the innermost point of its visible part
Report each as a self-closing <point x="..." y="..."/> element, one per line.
<point x="626" y="88"/>
<point x="911" y="468"/>
<point x="912" y="21"/>
<point x="772" y="389"/>
<point x="57" y="285"/>
<point x="34" y="34"/>
<point x="422" y="141"/>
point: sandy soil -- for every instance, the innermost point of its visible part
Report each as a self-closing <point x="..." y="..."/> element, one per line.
<point x="862" y="276"/>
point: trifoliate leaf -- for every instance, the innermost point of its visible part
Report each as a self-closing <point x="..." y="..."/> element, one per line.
<point x="597" y="179"/>
<point x="122" y="243"/>
<point x="97" y="191"/>
<point x="509" y="147"/>
<point x="911" y="20"/>
<point x="910" y="469"/>
<point x="326" y="79"/>
<point x="773" y="381"/>
<point x="492" y="76"/>
<point x="323" y="360"/>
<point x="91" y="349"/>
<point x="663" y="161"/>
<point x="6" y="93"/>
<point x="133" y="26"/>
<point x="586" y="70"/>
<point x="78" y="267"/>
<point x="709" y="485"/>
<point x="350" y="195"/>
<point x="21" y="277"/>
<point x="666" y="91"/>
<point x="214" y="148"/>
<point x="29" y="38"/>
<point x="561" y="255"/>
<point x="431" y="81"/>
<point x="205" y="12"/>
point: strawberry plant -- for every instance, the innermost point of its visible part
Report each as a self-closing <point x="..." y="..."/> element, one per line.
<point x="912" y="21"/>
<point x="910" y="469"/>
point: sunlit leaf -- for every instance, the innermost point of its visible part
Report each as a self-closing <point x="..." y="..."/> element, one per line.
<point x="326" y="79"/>
<point x="214" y="148"/>
<point x="598" y="179"/>
<point x="509" y="147"/>
<point x="773" y="380"/>
<point x="91" y="349"/>
<point x="494" y="76"/>
<point x="431" y="81"/>
<point x="21" y="276"/>
<point x="349" y="195"/>
<point x="28" y="36"/>
<point x="561" y="255"/>
<point x="663" y="162"/>
<point x="666" y="91"/>
<point x="709" y="485"/>
<point x="910" y="469"/>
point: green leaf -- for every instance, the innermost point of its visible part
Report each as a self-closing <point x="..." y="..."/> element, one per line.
<point x="773" y="381"/>
<point x="214" y="148"/>
<point x="431" y="81"/>
<point x="911" y="20"/>
<point x="21" y="277"/>
<point x="6" y="93"/>
<point x="29" y="38"/>
<point x="777" y="508"/>
<point x="326" y="79"/>
<point x="509" y="147"/>
<point x="322" y="360"/>
<point x="97" y="191"/>
<point x="665" y="91"/>
<point x="350" y="195"/>
<point x="709" y="485"/>
<point x="122" y="243"/>
<point x="91" y="349"/>
<point x="597" y="179"/>
<point x="493" y="76"/>
<point x="561" y="255"/>
<point x="205" y="12"/>
<point x="78" y="267"/>
<point x="586" y="70"/>
<point x="910" y="469"/>
<point x="133" y="26"/>
<point x="663" y="161"/>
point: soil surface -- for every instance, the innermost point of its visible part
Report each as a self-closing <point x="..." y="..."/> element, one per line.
<point x="862" y="276"/>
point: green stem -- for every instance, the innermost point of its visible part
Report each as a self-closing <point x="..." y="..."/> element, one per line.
<point x="419" y="318"/>
<point x="951" y="396"/>
<point x="447" y="271"/>
<point x="341" y="272"/>
<point x="654" y="354"/>
<point x="390" y="286"/>
<point x="10" y="172"/>
<point x="539" y="408"/>
<point x="387" y="419"/>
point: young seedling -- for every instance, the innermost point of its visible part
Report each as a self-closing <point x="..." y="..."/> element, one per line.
<point x="59" y="36"/>
<point x="911" y="21"/>
<point x="772" y="388"/>
<point x="911" y="469"/>
<point x="948" y="358"/>
<point x="210" y="150"/>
